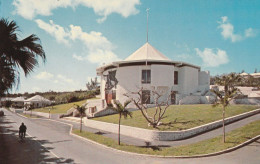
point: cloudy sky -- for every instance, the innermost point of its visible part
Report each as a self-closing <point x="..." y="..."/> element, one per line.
<point x="79" y="35"/>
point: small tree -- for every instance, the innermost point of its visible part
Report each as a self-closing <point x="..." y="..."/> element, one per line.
<point x="81" y="110"/>
<point x="160" y="107"/>
<point x="226" y="95"/>
<point x="122" y="111"/>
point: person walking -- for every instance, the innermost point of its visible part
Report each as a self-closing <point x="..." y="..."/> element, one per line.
<point x="22" y="130"/>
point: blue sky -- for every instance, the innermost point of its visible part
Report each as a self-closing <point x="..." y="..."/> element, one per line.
<point x="79" y="35"/>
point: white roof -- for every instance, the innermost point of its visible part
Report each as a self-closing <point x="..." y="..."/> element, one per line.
<point x="37" y="98"/>
<point x="255" y="74"/>
<point x="18" y="99"/>
<point x="244" y="74"/>
<point x="147" y="52"/>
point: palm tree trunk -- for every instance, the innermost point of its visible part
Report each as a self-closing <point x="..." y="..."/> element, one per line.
<point x="80" y="124"/>
<point x="119" y="129"/>
<point x="223" y="122"/>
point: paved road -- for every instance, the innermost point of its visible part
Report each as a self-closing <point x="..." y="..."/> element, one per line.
<point x="51" y="143"/>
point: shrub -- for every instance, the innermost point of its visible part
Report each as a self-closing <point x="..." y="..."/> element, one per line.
<point x="72" y="99"/>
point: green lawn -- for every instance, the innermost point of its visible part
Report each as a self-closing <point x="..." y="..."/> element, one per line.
<point x="62" y="108"/>
<point x="186" y="116"/>
<point x="233" y="138"/>
<point x="30" y="116"/>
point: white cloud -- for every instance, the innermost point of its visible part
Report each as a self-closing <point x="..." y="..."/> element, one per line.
<point x="102" y="56"/>
<point x="80" y="58"/>
<point x="213" y="58"/>
<point x="183" y="56"/>
<point x="44" y="76"/>
<point x="57" y="79"/>
<point x="250" y="32"/>
<point x="63" y="78"/>
<point x="31" y="8"/>
<point x="57" y="31"/>
<point x="228" y="31"/>
<point x="99" y="48"/>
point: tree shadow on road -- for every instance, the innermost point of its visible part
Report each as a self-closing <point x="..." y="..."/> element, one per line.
<point x="255" y="143"/>
<point x="12" y="150"/>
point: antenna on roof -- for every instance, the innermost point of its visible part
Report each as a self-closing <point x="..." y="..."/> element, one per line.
<point x="147" y="13"/>
<point x="147" y="10"/>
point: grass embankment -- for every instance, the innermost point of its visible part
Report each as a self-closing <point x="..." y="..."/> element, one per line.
<point x="62" y="108"/>
<point x="186" y="116"/>
<point x="233" y="138"/>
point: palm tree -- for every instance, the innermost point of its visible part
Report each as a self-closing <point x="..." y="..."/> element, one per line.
<point x="226" y="95"/>
<point x="81" y="110"/>
<point x="16" y="54"/>
<point x="122" y="111"/>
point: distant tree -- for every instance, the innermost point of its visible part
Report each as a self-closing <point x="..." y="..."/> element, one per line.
<point x="255" y="70"/>
<point x="122" y="111"/>
<point x="16" y="54"/>
<point x="226" y="95"/>
<point x="8" y="103"/>
<point x="242" y="71"/>
<point x="81" y="110"/>
<point x="92" y="85"/>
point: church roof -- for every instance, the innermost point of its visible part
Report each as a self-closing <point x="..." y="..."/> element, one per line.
<point x="147" y="52"/>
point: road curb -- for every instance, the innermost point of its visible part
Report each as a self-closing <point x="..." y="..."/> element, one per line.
<point x="147" y="155"/>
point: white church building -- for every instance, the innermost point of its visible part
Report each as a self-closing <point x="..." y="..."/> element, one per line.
<point x="149" y="69"/>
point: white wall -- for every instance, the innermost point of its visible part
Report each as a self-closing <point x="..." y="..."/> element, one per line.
<point x="188" y="80"/>
<point x="162" y="75"/>
<point x="204" y="78"/>
<point x="129" y="80"/>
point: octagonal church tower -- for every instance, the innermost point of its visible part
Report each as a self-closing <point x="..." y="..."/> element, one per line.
<point x="149" y="69"/>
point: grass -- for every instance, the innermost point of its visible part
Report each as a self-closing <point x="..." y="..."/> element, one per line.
<point x="233" y="138"/>
<point x="57" y="109"/>
<point x="186" y="116"/>
<point x="30" y="116"/>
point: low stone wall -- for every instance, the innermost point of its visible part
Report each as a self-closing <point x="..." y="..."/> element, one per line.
<point x="151" y="135"/>
<point x="144" y="134"/>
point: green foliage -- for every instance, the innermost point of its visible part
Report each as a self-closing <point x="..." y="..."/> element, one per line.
<point x="72" y="99"/>
<point x="93" y="85"/>
<point x="7" y="103"/>
<point x="81" y="109"/>
<point x="121" y="109"/>
<point x="230" y="91"/>
<point x="247" y="81"/>
<point x="16" y="55"/>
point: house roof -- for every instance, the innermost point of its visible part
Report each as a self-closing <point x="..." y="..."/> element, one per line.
<point x="18" y="99"/>
<point x="244" y="74"/>
<point x="255" y="74"/>
<point x="147" y="52"/>
<point x="37" y="98"/>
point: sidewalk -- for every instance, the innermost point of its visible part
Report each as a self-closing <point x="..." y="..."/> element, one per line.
<point x="139" y="142"/>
